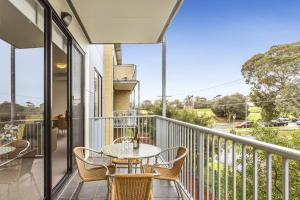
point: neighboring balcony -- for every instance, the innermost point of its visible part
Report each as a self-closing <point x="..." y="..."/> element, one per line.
<point x="125" y="77"/>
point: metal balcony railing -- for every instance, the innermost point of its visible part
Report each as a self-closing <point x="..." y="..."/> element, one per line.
<point x="219" y="165"/>
<point x="33" y="131"/>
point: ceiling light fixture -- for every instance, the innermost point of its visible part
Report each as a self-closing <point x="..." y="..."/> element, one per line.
<point x="61" y="65"/>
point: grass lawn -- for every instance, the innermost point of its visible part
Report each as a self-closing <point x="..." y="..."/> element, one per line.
<point x="289" y="132"/>
<point x="205" y="111"/>
<point x="254" y="114"/>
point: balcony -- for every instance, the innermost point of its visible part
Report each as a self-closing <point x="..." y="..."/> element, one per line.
<point x="219" y="165"/>
<point x="125" y="77"/>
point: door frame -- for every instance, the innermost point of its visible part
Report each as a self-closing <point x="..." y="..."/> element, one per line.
<point x="50" y="16"/>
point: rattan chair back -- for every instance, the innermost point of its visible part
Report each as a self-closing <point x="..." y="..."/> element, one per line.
<point x="177" y="166"/>
<point x="132" y="187"/>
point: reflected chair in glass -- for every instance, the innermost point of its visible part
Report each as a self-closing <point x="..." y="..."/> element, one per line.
<point x="62" y="125"/>
<point x="18" y="167"/>
<point x="132" y="187"/>
<point x="92" y="166"/>
<point x="135" y="162"/>
<point x="169" y="170"/>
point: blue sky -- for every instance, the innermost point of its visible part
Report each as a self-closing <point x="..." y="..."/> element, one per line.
<point x="209" y="41"/>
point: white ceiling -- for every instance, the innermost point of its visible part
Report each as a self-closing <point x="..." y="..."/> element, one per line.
<point x="125" y="21"/>
<point x="31" y="36"/>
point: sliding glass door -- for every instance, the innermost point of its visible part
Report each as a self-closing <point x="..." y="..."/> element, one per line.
<point x="77" y="97"/>
<point x="59" y="132"/>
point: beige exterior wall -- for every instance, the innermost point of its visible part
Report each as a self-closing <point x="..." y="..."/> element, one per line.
<point x="122" y="100"/>
<point x="124" y="72"/>
<point x="108" y="96"/>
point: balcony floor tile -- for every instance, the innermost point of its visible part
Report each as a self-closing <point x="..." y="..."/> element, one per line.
<point x="162" y="190"/>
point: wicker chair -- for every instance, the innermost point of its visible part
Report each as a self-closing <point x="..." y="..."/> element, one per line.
<point x="62" y="125"/>
<point x="135" y="162"/>
<point x="170" y="170"/>
<point x="88" y="169"/>
<point x="132" y="187"/>
<point x="13" y="170"/>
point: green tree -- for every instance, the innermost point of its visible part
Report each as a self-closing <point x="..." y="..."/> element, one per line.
<point x="230" y="105"/>
<point x="190" y="116"/>
<point x="177" y="104"/>
<point x="146" y="105"/>
<point x="189" y="101"/>
<point x="201" y="102"/>
<point x="274" y="79"/>
<point x="272" y="136"/>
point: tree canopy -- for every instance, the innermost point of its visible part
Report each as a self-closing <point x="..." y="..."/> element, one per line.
<point x="230" y="105"/>
<point x="274" y="77"/>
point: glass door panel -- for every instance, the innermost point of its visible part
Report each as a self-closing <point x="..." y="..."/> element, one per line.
<point x="77" y="98"/>
<point x="59" y="134"/>
<point x="21" y="100"/>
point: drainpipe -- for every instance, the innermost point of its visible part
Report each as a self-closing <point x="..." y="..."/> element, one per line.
<point x="13" y="84"/>
<point x="164" y="101"/>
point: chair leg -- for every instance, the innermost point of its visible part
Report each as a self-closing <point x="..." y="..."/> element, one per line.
<point x="135" y="168"/>
<point x="108" y="188"/>
<point x="179" y="192"/>
<point x="77" y="191"/>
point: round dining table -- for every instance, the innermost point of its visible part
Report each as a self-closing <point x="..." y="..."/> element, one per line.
<point x="6" y="149"/>
<point x="126" y="151"/>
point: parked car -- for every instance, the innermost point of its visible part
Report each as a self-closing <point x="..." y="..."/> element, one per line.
<point x="286" y="119"/>
<point x="295" y="119"/>
<point x="244" y="124"/>
<point x="279" y="122"/>
<point x="298" y="122"/>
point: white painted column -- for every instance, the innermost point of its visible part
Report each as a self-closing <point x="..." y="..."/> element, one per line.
<point x="164" y="57"/>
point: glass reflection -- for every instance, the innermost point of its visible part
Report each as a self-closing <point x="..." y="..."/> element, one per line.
<point x="21" y="100"/>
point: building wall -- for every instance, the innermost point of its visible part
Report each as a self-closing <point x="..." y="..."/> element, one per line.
<point x="59" y="100"/>
<point x="122" y="100"/>
<point x="108" y="89"/>
<point x="94" y="58"/>
<point x="122" y="72"/>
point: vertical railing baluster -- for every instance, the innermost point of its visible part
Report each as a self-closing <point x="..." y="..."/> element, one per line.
<point x="207" y="166"/>
<point x="190" y="162"/>
<point x="143" y="131"/>
<point x="195" y="161"/>
<point x="226" y="170"/>
<point x="184" y="167"/>
<point x="213" y="166"/>
<point x="255" y="175"/>
<point x="244" y="168"/>
<point x="269" y="176"/>
<point x="180" y="142"/>
<point x="234" y="170"/>
<point x="201" y="166"/>
<point x="219" y="168"/>
<point x="285" y="179"/>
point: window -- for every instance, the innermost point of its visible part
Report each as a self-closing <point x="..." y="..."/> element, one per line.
<point x="22" y="100"/>
<point x="98" y="94"/>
